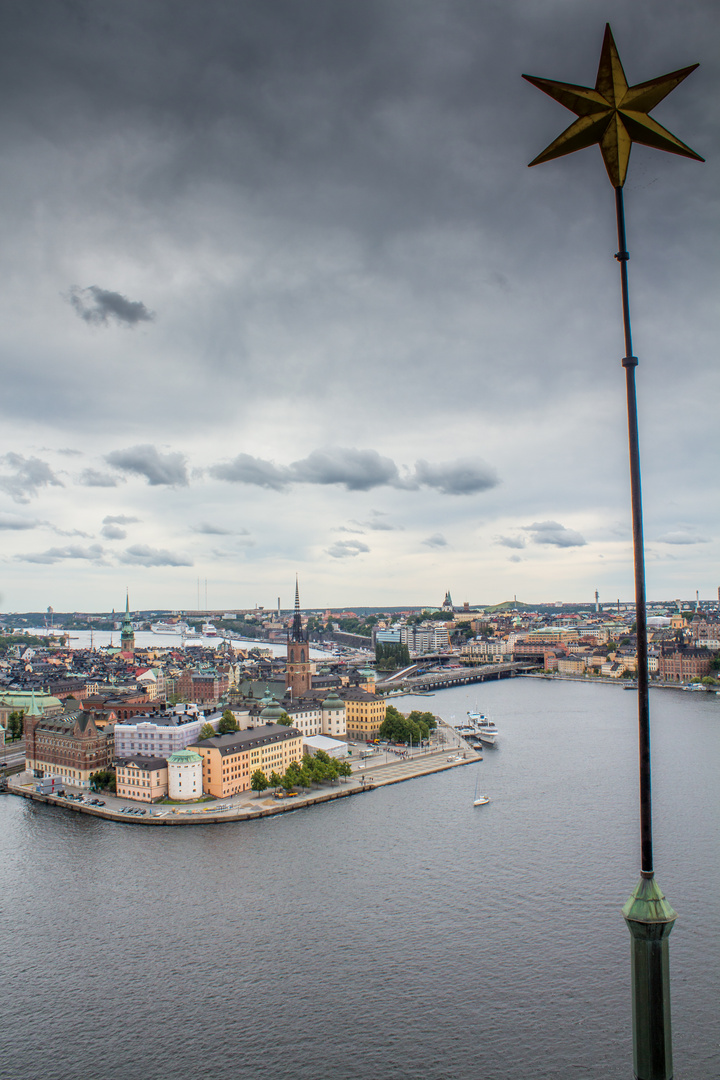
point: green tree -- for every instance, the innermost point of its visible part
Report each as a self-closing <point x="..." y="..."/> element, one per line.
<point x="227" y="723"/>
<point x="207" y="731"/>
<point x="258" y="780"/>
<point x="275" y="779"/>
<point x="707" y="680"/>
<point x="15" y="725"/>
<point x="306" y="778"/>
<point x="403" y="729"/>
<point x="425" y="718"/>
<point x="333" y="769"/>
<point x="390" y="655"/>
<point x="344" y="768"/>
<point x="284" y="719"/>
<point x="291" y="776"/>
<point x="100" y="779"/>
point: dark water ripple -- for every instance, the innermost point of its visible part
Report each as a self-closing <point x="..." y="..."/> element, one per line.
<point x="401" y="934"/>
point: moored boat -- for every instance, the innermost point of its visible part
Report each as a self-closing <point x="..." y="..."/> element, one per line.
<point x="483" y="727"/>
<point x="169" y="628"/>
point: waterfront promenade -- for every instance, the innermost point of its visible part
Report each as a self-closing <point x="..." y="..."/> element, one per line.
<point x="378" y="771"/>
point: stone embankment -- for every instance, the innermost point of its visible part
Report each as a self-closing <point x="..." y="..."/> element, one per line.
<point x="376" y="773"/>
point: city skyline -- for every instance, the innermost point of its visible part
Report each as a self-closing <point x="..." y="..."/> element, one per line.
<point x="282" y="296"/>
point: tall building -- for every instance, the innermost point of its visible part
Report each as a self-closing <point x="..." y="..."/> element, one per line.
<point x="298" y="673"/>
<point x="127" y="634"/>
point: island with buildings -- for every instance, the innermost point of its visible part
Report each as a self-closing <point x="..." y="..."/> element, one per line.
<point x="178" y="723"/>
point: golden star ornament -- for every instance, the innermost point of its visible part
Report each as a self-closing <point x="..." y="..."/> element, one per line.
<point x="614" y="114"/>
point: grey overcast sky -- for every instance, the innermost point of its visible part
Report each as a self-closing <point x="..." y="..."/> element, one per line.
<point x="280" y="294"/>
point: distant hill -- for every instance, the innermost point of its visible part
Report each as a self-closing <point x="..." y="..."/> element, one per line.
<point x="509" y="605"/>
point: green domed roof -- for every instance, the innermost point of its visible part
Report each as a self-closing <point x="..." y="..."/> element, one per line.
<point x="272" y="711"/>
<point x="184" y="757"/>
<point x="332" y="701"/>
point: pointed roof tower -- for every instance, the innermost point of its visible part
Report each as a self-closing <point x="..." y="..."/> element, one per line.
<point x="297" y="633"/>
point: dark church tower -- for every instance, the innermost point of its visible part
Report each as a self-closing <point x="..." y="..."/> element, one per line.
<point x="298" y="674"/>
<point x="127" y="634"/>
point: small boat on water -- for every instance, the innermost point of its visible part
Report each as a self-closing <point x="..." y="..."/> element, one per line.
<point x="208" y="630"/>
<point x="479" y="800"/>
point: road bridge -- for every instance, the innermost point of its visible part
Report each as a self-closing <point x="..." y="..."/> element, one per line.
<point x="442" y="678"/>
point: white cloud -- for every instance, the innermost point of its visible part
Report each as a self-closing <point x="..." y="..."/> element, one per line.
<point x="437" y="540"/>
<point x="26" y="478"/>
<point x="347" y="549"/>
<point x="682" y="537"/>
<point x="147" y="461"/>
<point x="142" y="555"/>
<point x="554" y="534"/>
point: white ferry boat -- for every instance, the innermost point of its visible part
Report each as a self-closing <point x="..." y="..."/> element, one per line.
<point x="178" y="628"/>
<point x="208" y="630"/>
<point x="483" y="728"/>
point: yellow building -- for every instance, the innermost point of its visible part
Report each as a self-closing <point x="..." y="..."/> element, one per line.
<point x="144" y="779"/>
<point x="364" y="713"/>
<point x="230" y="760"/>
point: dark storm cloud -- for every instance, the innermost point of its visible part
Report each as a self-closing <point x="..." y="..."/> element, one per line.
<point x="158" y="469"/>
<point x="98" y="306"/>
<point x="93" y="478"/>
<point x="554" y="534"/>
<point x="142" y="555"/>
<point x="94" y="553"/>
<point x="347" y="549"/>
<point x="26" y="477"/>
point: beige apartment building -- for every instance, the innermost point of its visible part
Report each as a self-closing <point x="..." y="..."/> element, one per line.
<point x="144" y="779"/>
<point x="230" y="760"/>
<point x="364" y="713"/>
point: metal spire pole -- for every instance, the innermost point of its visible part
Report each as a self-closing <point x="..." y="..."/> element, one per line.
<point x="630" y="362"/>
<point x="648" y="916"/>
<point x="614" y="115"/>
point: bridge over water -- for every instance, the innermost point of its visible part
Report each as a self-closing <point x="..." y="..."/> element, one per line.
<point x="442" y="678"/>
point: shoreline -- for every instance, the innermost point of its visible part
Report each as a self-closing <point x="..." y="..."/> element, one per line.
<point x="629" y="684"/>
<point x="395" y="772"/>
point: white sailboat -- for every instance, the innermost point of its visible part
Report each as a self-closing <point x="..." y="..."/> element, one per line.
<point x="479" y="800"/>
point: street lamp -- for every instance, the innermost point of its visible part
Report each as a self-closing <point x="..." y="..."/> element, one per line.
<point x="615" y="115"/>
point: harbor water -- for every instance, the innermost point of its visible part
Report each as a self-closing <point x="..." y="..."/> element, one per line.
<point x="402" y="933"/>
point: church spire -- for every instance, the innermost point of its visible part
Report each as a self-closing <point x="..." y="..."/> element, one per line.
<point x="297" y="630"/>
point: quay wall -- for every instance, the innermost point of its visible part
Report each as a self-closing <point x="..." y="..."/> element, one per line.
<point x="394" y="773"/>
